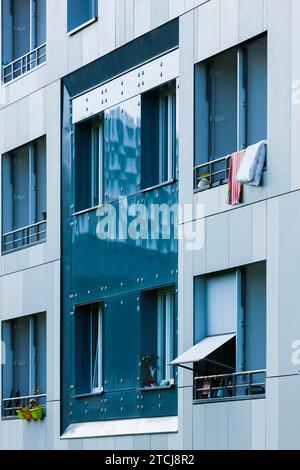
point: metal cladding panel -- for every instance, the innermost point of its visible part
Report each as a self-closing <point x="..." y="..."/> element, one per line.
<point x="157" y="402"/>
<point x="122" y="153"/>
<point x="140" y="80"/>
<point x="131" y="55"/>
<point x="117" y="269"/>
<point x="159" y="256"/>
<point x="160" y="71"/>
<point x="100" y="267"/>
<point x="121" y="355"/>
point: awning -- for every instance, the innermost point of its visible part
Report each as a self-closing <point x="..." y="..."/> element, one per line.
<point x="203" y="349"/>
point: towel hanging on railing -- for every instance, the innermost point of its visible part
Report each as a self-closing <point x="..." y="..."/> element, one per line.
<point x="234" y="195"/>
<point x="252" y="166"/>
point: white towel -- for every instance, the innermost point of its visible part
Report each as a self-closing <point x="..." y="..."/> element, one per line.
<point x="252" y="165"/>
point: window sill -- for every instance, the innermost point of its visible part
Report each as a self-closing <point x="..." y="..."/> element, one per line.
<point x="158" y="186"/>
<point x="158" y="387"/>
<point x="89" y="209"/>
<point x="89" y="395"/>
<point x="82" y="26"/>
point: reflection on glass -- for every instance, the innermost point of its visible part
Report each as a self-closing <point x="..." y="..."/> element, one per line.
<point x="122" y="149"/>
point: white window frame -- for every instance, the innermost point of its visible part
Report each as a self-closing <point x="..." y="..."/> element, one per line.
<point x="99" y="388"/>
<point x="97" y="149"/>
<point x="171" y="96"/>
<point x="165" y="335"/>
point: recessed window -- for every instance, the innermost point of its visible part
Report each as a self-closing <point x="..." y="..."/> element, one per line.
<point x="89" y="142"/>
<point x="96" y="349"/>
<point x="229" y="355"/>
<point x="165" y="335"/>
<point x="23" y="35"/>
<point x="159" y="137"/>
<point x="89" y="349"/>
<point x="80" y="12"/>
<point x="24" y="369"/>
<point x="230" y="107"/>
<point x="158" y="338"/>
<point x="24" y="196"/>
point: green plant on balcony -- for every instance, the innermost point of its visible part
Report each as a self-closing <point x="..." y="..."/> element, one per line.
<point x="148" y="369"/>
<point x="34" y="411"/>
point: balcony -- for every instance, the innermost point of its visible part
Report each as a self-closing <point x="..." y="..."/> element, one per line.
<point x="24" y="64"/>
<point x="210" y="174"/>
<point x="230" y="387"/>
<point x="24" y="237"/>
<point x="11" y="407"/>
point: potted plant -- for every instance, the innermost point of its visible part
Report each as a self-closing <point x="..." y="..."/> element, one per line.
<point x="25" y="411"/>
<point x="148" y="367"/>
<point x="204" y="180"/>
<point x="20" y="414"/>
<point x="37" y="412"/>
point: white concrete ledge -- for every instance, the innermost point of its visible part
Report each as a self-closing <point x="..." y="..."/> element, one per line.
<point x="122" y="427"/>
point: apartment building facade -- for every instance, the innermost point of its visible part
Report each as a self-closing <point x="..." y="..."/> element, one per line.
<point x="112" y="112"/>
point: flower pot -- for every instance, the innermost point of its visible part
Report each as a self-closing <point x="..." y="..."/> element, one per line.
<point x="204" y="183"/>
<point x="20" y="415"/>
<point x="37" y="413"/>
<point x="27" y="413"/>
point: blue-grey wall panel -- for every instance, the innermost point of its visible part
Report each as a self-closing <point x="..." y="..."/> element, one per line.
<point x="159" y="258"/>
<point x="121" y="342"/>
<point x="100" y="267"/>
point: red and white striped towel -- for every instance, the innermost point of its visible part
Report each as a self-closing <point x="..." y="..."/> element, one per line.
<point x="234" y="195"/>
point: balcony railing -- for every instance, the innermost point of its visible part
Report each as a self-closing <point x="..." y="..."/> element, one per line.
<point x="10" y="406"/>
<point x="237" y="386"/>
<point x="24" y="64"/>
<point x="211" y="173"/>
<point x="24" y="237"/>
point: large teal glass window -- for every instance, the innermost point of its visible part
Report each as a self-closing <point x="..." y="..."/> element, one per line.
<point x="80" y="12"/>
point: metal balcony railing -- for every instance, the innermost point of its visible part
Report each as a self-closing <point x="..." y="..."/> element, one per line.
<point x="11" y="405"/>
<point x="210" y="173"/>
<point x="237" y="386"/>
<point x="24" y="64"/>
<point x="24" y="237"/>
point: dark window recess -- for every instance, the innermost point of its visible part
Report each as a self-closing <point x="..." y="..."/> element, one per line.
<point x="157" y="338"/>
<point x="230" y="105"/>
<point x="24" y="372"/>
<point x="88" y="164"/>
<point x="88" y="349"/>
<point x="231" y="303"/>
<point x="80" y="12"/>
<point x="158" y="135"/>
<point x="24" y="195"/>
<point x="23" y="27"/>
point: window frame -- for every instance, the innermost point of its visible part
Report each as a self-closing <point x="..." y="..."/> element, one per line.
<point x="34" y="184"/>
<point x="169" y="159"/>
<point x="165" y="335"/>
<point x="98" y="309"/>
<point x="32" y="352"/>
<point x="97" y="161"/>
<point x="204" y="154"/>
<point x="33" y="31"/>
